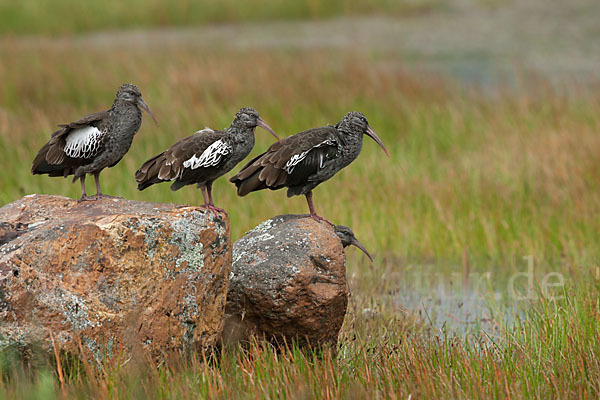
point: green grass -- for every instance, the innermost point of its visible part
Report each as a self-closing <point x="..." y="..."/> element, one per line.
<point x="497" y="179"/>
<point x="69" y="16"/>
<point x="554" y="354"/>
<point x="472" y="184"/>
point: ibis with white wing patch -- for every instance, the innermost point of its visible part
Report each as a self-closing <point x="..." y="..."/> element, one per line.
<point x="203" y="157"/>
<point x="95" y="142"/>
<point x="306" y="159"/>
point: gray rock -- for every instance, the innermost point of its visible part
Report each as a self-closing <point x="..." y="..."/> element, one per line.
<point x="288" y="282"/>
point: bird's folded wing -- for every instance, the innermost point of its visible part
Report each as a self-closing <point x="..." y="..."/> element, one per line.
<point x="295" y="148"/>
<point x="85" y="142"/>
<point x="89" y="120"/>
<point x="291" y="148"/>
<point x="202" y="150"/>
<point x="80" y="139"/>
<point x="293" y="159"/>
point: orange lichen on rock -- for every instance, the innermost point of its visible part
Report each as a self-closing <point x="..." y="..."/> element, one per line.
<point x="112" y="273"/>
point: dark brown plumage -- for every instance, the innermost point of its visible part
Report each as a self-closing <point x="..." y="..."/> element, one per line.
<point x="271" y="170"/>
<point x="203" y="157"/>
<point x="94" y="142"/>
<point x="52" y="159"/>
<point x="302" y="161"/>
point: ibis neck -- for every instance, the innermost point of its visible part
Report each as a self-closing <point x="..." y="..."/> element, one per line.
<point x="125" y="107"/>
<point x="127" y="118"/>
<point x="241" y="134"/>
<point x="351" y="143"/>
<point x="243" y="142"/>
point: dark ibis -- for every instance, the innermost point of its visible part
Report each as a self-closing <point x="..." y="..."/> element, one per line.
<point x="95" y="142"/>
<point x="203" y="157"/>
<point x="302" y="161"/>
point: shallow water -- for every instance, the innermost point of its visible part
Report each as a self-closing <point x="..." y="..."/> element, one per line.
<point x="462" y="299"/>
<point x="459" y="312"/>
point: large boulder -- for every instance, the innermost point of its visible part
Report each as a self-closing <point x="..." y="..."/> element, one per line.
<point x="112" y="273"/>
<point x="288" y="283"/>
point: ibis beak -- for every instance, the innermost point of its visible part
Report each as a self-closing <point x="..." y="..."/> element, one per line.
<point x="354" y="241"/>
<point x="142" y="104"/>
<point x="266" y="127"/>
<point x="374" y="136"/>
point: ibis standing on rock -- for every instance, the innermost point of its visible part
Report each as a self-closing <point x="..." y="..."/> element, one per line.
<point x="203" y="157"/>
<point x="304" y="160"/>
<point x="95" y="142"/>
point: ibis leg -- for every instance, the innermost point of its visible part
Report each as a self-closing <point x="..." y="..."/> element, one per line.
<point x="211" y="205"/>
<point x="203" y="189"/>
<point x="209" y="190"/>
<point x="83" y="195"/>
<point x="99" y="193"/>
<point x="313" y="213"/>
<point x="97" y="179"/>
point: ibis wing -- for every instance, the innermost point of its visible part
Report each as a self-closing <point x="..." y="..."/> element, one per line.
<point x="90" y="120"/>
<point x="84" y="143"/>
<point x="287" y="162"/>
<point x="188" y="157"/>
<point x="81" y="139"/>
<point x="306" y="166"/>
<point x="71" y="145"/>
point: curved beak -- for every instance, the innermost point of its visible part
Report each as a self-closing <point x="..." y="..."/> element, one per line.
<point x="266" y="127"/>
<point x="354" y="241"/>
<point x="142" y="104"/>
<point x="374" y="136"/>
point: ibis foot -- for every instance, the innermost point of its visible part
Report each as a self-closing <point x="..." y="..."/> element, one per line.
<point x="86" y="198"/>
<point x="313" y="213"/>
<point x="321" y="219"/>
<point x="215" y="209"/>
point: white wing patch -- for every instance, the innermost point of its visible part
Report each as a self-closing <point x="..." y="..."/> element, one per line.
<point x="205" y="130"/>
<point x="209" y="157"/>
<point x="296" y="158"/>
<point x="172" y="161"/>
<point x="83" y="142"/>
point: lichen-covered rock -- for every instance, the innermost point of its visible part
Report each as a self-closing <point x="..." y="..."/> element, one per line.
<point x="111" y="273"/>
<point x="288" y="282"/>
